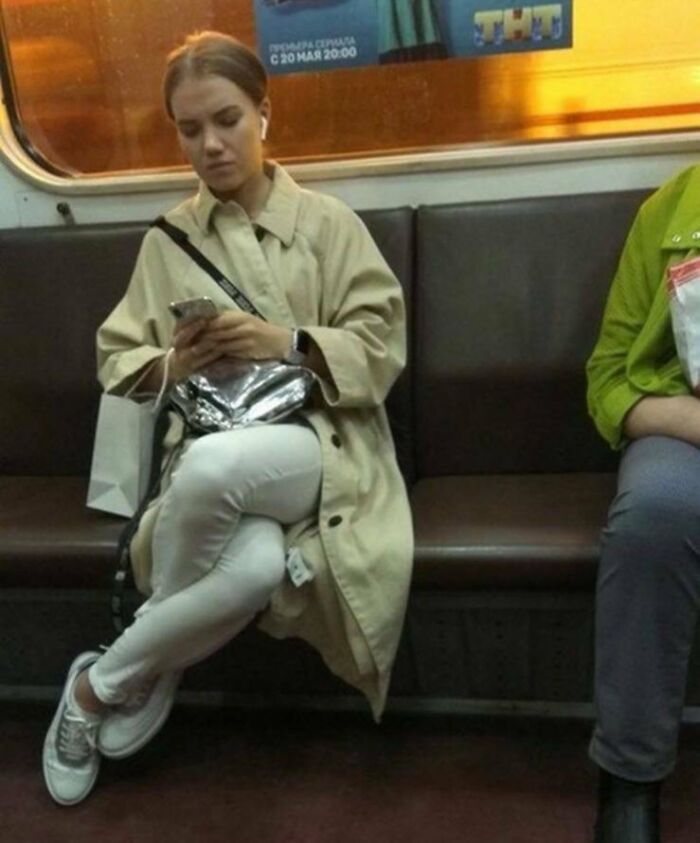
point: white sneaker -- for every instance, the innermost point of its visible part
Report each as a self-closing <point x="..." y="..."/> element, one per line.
<point x="71" y="760"/>
<point x="128" y="727"/>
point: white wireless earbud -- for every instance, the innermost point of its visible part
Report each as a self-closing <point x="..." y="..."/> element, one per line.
<point x="263" y="127"/>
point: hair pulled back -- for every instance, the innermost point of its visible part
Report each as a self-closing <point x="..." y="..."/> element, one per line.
<point x="215" y="54"/>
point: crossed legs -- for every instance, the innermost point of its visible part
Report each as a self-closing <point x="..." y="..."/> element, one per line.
<point x="218" y="550"/>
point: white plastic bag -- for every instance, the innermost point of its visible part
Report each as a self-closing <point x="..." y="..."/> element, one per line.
<point x="683" y="283"/>
<point x="121" y="457"/>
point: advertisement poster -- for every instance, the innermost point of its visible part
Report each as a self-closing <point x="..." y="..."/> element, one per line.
<point x="310" y="35"/>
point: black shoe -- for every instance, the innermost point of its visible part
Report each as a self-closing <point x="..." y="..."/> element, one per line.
<point x="628" y="812"/>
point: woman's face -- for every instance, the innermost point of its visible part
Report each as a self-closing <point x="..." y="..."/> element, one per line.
<point x="219" y="129"/>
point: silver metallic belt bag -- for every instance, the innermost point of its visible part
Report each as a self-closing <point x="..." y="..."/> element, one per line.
<point x="235" y="393"/>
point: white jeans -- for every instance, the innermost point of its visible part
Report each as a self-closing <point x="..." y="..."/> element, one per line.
<point x="218" y="550"/>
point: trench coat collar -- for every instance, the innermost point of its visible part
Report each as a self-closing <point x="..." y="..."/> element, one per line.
<point x="279" y="216"/>
<point x="683" y="231"/>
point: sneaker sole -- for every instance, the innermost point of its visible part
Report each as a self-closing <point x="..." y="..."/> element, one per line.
<point x="135" y="746"/>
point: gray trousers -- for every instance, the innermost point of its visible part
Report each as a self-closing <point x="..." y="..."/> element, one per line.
<point x="647" y="601"/>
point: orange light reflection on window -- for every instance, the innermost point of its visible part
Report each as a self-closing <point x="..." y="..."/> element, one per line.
<point x="87" y="84"/>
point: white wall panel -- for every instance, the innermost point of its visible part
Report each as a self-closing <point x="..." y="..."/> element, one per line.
<point x="22" y="204"/>
<point x="10" y="188"/>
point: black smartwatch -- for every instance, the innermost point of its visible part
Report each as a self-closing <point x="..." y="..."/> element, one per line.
<point x="299" y="348"/>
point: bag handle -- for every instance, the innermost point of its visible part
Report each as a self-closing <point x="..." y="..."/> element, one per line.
<point x="180" y="238"/>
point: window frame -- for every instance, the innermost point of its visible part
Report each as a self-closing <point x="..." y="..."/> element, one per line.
<point x="16" y="157"/>
<point x="9" y="101"/>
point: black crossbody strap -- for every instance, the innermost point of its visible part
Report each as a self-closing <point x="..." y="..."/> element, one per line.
<point x="178" y="236"/>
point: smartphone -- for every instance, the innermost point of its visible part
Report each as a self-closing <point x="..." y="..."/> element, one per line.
<point x="189" y="310"/>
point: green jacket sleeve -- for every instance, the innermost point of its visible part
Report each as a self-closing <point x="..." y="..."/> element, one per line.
<point x="635" y="354"/>
<point x="610" y="393"/>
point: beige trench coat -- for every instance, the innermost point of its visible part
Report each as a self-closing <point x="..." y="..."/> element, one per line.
<point x="316" y="268"/>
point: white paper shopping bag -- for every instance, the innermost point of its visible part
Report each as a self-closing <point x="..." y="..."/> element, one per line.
<point x="121" y="458"/>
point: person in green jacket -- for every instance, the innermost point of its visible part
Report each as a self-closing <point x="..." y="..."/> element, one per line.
<point x="648" y="590"/>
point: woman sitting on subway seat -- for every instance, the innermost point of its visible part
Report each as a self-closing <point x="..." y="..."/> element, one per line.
<point x="211" y="550"/>
<point x="648" y="590"/>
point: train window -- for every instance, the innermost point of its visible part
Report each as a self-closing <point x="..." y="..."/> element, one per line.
<point x="84" y="85"/>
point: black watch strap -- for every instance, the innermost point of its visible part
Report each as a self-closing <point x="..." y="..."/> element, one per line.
<point x="301" y="343"/>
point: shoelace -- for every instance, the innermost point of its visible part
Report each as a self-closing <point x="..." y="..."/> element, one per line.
<point x="77" y="738"/>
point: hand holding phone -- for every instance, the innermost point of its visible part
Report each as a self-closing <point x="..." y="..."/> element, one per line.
<point x="199" y="308"/>
<point x="192" y="349"/>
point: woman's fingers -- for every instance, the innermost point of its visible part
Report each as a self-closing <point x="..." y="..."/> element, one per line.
<point x="226" y="335"/>
<point x="205" y="359"/>
<point x="230" y="319"/>
<point x="233" y="334"/>
<point x="193" y="350"/>
<point x="197" y="357"/>
<point x="229" y="333"/>
<point x="202" y="345"/>
<point x="183" y="336"/>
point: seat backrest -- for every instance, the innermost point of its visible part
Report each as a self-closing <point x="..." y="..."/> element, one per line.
<point x="508" y="298"/>
<point x="393" y="232"/>
<point x="56" y="286"/>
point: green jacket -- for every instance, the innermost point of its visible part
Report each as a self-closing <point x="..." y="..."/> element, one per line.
<point x="636" y="354"/>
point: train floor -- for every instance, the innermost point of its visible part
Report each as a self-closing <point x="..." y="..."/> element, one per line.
<point x="229" y="776"/>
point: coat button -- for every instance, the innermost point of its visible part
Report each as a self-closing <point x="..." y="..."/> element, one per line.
<point x="696" y="235"/>
<point x="335" y="520"/>
<point x="335" y="439"/>
<point x="676" y="238"/>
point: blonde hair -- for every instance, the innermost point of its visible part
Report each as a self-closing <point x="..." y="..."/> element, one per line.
<point x="215" y="54"/>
